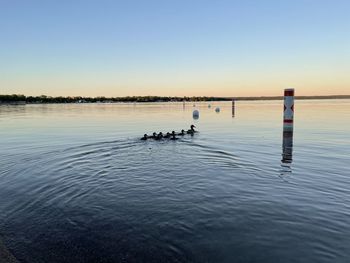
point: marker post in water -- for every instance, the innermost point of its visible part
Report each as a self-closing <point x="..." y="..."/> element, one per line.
<point x="288" y="123"/>
<point x="288" y="115"/>
<point x="233" y="107"/>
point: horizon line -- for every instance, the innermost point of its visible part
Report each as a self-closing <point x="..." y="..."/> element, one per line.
<point x="163" y="96"/>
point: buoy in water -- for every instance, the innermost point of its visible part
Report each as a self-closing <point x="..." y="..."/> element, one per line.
<point x="195" y="114"/>
<point x="217" y="109"/>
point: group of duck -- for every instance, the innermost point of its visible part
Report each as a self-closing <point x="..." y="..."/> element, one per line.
<point x="168" y="135"/>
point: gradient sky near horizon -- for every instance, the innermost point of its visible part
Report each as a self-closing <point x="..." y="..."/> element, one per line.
<point x="174" y="48"/>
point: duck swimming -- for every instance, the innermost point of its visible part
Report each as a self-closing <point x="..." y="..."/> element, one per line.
<point x="145" y="137"/>
<point x="191" y="131"/>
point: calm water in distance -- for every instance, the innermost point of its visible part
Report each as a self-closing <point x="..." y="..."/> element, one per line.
<point x="77" y="184"/>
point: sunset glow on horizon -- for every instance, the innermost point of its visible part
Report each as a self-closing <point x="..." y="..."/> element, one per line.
<point x="181" y="48"/>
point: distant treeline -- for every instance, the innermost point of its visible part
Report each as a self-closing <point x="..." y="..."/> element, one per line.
<point x="15" y="98"/>
<point x="12" y="98"/>
<point x="78" y="99"/>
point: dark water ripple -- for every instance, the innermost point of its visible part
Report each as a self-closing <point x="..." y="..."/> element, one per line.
<point x="127" y="201"/>
<point x="115" y="189"/>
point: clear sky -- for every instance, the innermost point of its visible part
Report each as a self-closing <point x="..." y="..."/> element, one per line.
<point x="174" y="47"/>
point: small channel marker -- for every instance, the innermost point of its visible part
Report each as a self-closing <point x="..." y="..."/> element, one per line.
<point x="288" y="115"/>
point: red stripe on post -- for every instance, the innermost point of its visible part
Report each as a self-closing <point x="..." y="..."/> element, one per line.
<point x="289" y="92"/>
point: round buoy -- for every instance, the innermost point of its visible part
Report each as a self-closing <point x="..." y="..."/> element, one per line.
<point x="195" y="114"/>
<point x="217" y="109"/>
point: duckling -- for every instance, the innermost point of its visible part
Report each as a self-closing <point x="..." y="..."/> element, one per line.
<point x="173" y="136"/>
<point x="159" y="136"/>
<point x="145" y="137"/>
<point x="182" y="133"/>
<point x="154" y="136"/>
<point x="167" y="135"/>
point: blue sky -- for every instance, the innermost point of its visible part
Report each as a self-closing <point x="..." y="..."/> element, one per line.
<point x="218" y="48"/>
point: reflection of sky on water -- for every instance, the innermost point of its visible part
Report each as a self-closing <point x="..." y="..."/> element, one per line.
<point x="314" y="120"/>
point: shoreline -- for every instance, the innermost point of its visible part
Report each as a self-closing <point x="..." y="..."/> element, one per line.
<point x="155" y="99"/>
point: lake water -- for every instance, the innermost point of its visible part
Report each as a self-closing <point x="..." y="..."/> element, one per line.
<point x="77" y="184"/>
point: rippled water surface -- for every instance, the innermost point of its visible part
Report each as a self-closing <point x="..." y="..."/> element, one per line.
<point x="77" y="184"/>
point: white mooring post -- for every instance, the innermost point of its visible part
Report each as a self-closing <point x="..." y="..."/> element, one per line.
<point x="288" y="115"/>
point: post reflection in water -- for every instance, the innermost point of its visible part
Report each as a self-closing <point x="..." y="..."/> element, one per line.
<point x="233" y="108"/>
<point x="287" y="147"/>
